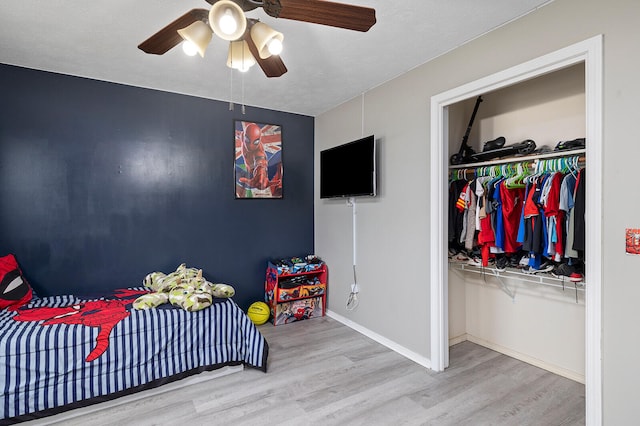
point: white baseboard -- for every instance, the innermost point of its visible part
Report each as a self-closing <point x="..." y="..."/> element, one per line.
<point x="560" y="371"/>
<point x="425" y="362"/>
<point x="458" y="339"/>
<point x="407" y="353"/>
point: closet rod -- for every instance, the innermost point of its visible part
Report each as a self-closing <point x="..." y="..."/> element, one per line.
<point x="550" y="155"/>
<point x="470" y="170"/>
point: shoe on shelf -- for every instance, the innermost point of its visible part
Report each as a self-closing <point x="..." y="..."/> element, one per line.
<point x="578" y="143"/>
<point x="563" y="270"/>
<point x="501" y="263"/>
<point x="546" y="267"/>
<point x="524" y="262"/>
<point x="460" y="257"/>
<point x="514" y="261"/>
<point x="475" y="261"/>
<point x="576" y="277"/>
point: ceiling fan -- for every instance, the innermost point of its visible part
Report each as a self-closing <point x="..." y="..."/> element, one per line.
<point x="250" y="40"/>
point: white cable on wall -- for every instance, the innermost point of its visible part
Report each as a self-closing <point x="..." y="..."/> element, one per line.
<point x="353" y="227"/>
<point x="352" y="301"/>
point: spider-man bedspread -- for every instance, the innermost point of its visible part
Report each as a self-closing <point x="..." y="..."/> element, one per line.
<point x="63" y="352"/>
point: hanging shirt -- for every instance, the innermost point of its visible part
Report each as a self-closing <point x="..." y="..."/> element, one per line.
<point x="578" y="210"/>
<point x="566" y="204"/>
<point x="520" y="237"/>
<point x="566" y="193"/>
<point x="554" y="216"/>
<point x="486" y="239"/>
<point x="461" y="205"/>
<point x="512" y="203"/>
<point x="535" y="222"/>
<point x="471" y="217"/>
<point x="481" y="210"/>
<point x="530" y="206"/>
<point x="498" y="223"/>
<point x="455" y="215"/>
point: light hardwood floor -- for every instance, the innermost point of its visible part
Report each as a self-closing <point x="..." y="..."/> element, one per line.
<point x="321" y="372"/>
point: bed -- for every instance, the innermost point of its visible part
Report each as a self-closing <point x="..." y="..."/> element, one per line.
<point x="64" y="352"/>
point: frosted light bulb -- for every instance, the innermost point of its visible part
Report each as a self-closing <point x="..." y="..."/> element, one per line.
<point x="189" y="48"/>
<point x="227" y="23"/>
<point x="275" y="46"/>
<point x="244" y="66"/>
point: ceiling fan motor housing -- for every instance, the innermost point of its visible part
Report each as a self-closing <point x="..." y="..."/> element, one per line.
<point x="272" y="7"/>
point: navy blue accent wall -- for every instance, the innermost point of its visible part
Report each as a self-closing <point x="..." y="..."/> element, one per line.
<point x="102" y="183"/>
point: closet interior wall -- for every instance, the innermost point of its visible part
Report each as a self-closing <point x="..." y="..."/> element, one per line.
<point x="543" y="325"/>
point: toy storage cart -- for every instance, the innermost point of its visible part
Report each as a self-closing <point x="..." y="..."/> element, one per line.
<point x="296" y="289"/>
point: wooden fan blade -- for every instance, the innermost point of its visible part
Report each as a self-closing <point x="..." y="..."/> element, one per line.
<point x="168" y="37"/>
<point x="273" y="65"/>
<point x="323" y="12"/>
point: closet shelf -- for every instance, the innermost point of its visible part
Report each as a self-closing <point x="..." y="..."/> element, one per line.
<point x="528" y="158"/>
<point x="539" y="278"/>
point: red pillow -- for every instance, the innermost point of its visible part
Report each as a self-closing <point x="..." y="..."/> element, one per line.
<point x="15" y="291"/>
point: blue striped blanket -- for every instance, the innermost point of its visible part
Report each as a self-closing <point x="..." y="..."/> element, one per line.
<point x="64" y="352"/>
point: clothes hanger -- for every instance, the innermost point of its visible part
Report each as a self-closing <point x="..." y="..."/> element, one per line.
<point x="524" y="170"/>
<point x="538" y="170"/>
<point x="574" y="166"/>
<point x="515" y="181"/>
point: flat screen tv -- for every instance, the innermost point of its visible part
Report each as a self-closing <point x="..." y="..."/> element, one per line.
<point x="349" y="170"/>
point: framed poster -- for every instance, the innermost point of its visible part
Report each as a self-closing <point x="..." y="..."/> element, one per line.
<point x="258" y="160"/>
<point x="632" y="241"/>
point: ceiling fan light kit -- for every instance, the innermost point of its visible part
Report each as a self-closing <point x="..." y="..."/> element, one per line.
<point x="227" y="20"/>
<point x="197" y="35"/>
<point x="267" y="40"/>
<point x="260" y="43"/>
<point x="240" y="57"/>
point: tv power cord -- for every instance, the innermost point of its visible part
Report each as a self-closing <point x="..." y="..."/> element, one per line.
<point x="352" y="301"/>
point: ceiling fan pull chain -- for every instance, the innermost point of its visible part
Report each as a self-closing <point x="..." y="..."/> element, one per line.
<point x="230" y="89"/>
<point x="242" y="77"/>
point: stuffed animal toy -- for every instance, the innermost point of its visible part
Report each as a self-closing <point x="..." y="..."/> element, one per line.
<point x="185" y="288"/>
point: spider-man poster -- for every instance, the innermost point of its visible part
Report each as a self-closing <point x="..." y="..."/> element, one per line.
<point x="632" y="241"/>
<point x="258" y="160"/>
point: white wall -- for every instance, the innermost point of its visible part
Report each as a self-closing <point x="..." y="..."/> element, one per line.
<point x="393" y="229"/>
<point x="547" y="109"/>
<point x="390" y="256"/>
<point x="542" y="325"/>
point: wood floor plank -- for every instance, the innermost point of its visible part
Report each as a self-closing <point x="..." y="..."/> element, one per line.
<point x="321" y="372"/>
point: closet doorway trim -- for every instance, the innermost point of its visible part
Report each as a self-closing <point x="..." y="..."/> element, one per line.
<point x="588" y="52"/>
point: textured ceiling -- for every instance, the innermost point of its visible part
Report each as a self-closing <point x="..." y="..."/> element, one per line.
<point x="327" y="66"/>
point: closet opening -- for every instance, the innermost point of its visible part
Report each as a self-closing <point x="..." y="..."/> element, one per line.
<point x="549" y="321"/>
<point x="511" y="290"/>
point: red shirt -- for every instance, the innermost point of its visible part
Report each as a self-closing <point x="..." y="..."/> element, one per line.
<point x="512" y="204"/>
